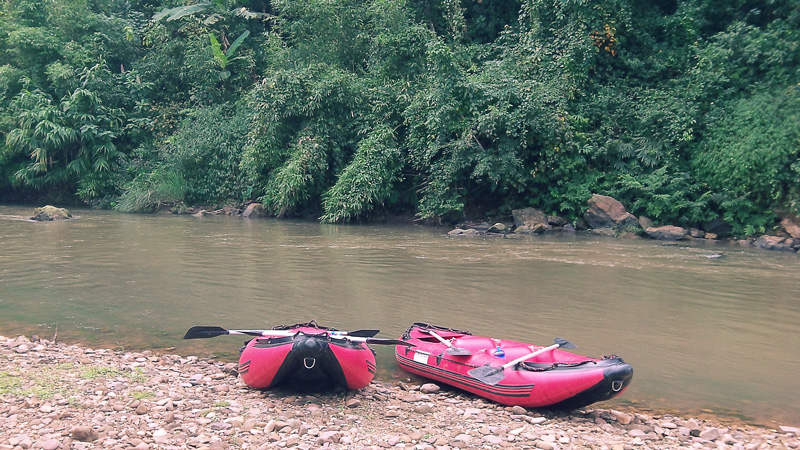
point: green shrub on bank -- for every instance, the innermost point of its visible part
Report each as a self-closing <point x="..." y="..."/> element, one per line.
<point x="207" y="150"/>
<point x="751" y="157"/>
<point x="684" y="111"/>
<point x="150" y="190"/>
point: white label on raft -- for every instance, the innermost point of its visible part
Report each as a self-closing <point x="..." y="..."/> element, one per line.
<point x="421" y="357"/>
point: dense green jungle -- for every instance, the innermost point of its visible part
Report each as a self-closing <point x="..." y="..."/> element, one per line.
<point x="358" y="110"/>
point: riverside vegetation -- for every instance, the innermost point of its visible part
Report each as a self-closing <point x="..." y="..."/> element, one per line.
<point x="56" y="396"/>
<point x="686" y="112"/>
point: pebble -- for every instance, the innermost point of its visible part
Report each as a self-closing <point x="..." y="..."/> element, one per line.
<point x="423" y="409"/>
<point x="148" y="401"/>
<point x="429" y="388"/>
<point x="50" y="444"/>
<point x="84" y="434"/>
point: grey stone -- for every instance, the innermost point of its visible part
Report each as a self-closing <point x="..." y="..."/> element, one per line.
<point x="50" y="444"/>
<point x="84" y="434"/>
<point x="775" y="243"/>
<point x="429" y="388"/>
<point x="518" y="410"/>
<point x="666" y="233"/>
<point x="709" y="434"/>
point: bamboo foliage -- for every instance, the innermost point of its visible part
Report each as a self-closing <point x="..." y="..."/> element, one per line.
<point x="368" y="180"/>
<point x="348" y="109"/>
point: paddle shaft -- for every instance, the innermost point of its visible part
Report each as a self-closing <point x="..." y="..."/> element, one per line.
<point x="279" y="333"/>
<point x="441" y="339"/>
<point x="201" y="332"/>
<point x="364" y="336"/>
<point x="451" y="349"/>
<point x="344" y="337"/>
<point x="333" y="336"/>
<point x="493" y="375"/>
<point x="529" y="355"/>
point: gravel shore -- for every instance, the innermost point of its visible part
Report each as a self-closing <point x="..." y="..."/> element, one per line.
<point x="57" y="396"/>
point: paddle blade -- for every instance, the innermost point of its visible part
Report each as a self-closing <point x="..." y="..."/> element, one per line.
<point x="563" y="343"/>
<point x="488" y="374"/>
<point x="458" y="351"/>
<point x="201" y="332"/>
<point x="363" y="333"/>
<point x="381" y="341"/>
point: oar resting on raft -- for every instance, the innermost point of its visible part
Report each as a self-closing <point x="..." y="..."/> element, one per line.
<point x="366" y="336"/>
<point x="493" y="375"/>
<point x="451" y="349"/>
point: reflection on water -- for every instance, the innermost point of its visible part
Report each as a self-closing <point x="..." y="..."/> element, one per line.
<point x="700" y="331"/>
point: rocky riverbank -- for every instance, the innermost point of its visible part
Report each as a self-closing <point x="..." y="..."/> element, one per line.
<point x="57" y="396"/>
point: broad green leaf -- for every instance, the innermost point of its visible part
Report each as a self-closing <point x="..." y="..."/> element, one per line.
<point x="237" y="43"/>
<point x="220" y="57"/>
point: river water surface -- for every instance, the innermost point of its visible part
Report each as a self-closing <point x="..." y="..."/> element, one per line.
<point x="708" y="327"/>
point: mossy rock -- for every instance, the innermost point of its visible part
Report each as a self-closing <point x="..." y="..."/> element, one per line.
<point x="49" y="212"/>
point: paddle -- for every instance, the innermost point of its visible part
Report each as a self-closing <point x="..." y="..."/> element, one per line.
<point x="203" y="332"/>
<point x="451" y="349"/>
<point x="378" y="341"/>
<point x="493" y="375"/>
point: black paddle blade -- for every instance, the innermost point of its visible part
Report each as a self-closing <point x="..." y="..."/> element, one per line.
<point x="201" y="332"/>
<point x="563" y="343"/>
<point x="363" y="333"/>
<point x="488" y="374"/>
<point x="382" y="341"/>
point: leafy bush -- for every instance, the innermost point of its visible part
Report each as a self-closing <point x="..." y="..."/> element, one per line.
<point x="147" y="192"/>
<point x="206" y="151"/>
<point x="685" y="111"/>
<point x="369" y="178"/>
<point x="751" y="157"/>
<point x="69" y="141"/>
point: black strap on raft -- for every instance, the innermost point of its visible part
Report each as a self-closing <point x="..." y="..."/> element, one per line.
<point x="312" y="324"/>
<point x="427" y="326"/>
<point x="541" y="367"/>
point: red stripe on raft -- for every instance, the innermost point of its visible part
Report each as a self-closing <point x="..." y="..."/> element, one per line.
<point x="462" y="381"/>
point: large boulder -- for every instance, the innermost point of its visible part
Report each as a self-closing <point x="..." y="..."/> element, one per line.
<point x="607" y="212"/>
<point x="530" y="220"/>
<point x="666" y="233"/>
<point x="464" y="232"/>
<point x="775" y="243"/>
<point x="254" y="210"/>
<point x="791" y="227"/>
<point x="49" y="212"/>
<point x="557" y="221"/>
<point x="526" y="219"/>
<point x="498" y="228"/>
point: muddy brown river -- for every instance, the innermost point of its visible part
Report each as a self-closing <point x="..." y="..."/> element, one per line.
<point x="707" y="326"/>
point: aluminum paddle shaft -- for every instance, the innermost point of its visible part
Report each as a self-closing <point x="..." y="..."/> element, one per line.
<point x="493" y="375"/>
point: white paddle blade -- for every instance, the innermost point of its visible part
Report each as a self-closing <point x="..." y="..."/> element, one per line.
<point x="458" y="351"/>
